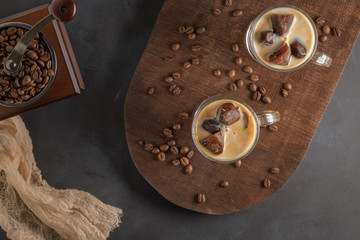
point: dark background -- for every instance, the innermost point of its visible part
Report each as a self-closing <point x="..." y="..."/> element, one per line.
<point x="80" y="143"/>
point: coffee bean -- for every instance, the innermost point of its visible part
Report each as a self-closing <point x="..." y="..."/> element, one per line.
<point x="184" y="161"/>
<point x="176" y="75"/>
<point x="9" y="48"/>
<point x="168" y="59"/>
<point x="10" y="101"/>
<point x="256" y="96"/>
<point x="216" y="11"/>
<point x="228" y="3"/>
<point x="151" y="91"/>
<point x="320" y="20"/>
<point x="254" y="77"/>
<point x="188" y="169"/>
<point x="323" y="38"/>
<point x="183" y="115"/>
<point x="172" y="87"/>
<point x="141" y="142"/>
<point x="267" y="183"/>
<point x="237" y="13"/>
<point x="167" y="132"/>
<point x="235" y="47"/>
<point x="191" y="36"/>
<point x="164" y="148"/>
<point x="237" y="163"/>
<point x="266" y="99"/>
<point x="196" y="48"/>
<point x="155" y="150"/>
<point x="275" y="170"/>
<point x="31" y="54"/>
<point x="287" y="86"/>
<point x="174" y="150"/>
<point x="177" y="91"/>
<point x="25" y="97"/>
<point x="273" y="128"/>
<point x="187" y="64"/>
<point x="200" y="198"/>
<point x="195" y="61"/>
<point x="26" y="80"/>
<point x="171" y="143"/>
<point x="40" y="63"/>
<point x="284" y="92"/>
<point x="239" y="83"/>
<point x="190" y="154"/>
<point x="11" y="31"/>
<point x="161" y="156"/>
<point x="181" y="29"/>
<point x="175" y="46"/>
<point x="2" y="39"/>
<point x="238" y="61"/>
<point x="335" y="32"/>
<point x="232" y="73"/>
<point x="248" y="69"/>
<point x="262" y="90"/>
<point x="232" y="87"/>
<point x="168" y="79"/>
<point x="326" y="29"/>
<point x="148" y="147"/>
<point x="200" y="30"/>
<point x="189" y="29"/>
<point x="176" y="126"/>
<point x="184" y="150"/>
<point x="217" y="72"/>
<point x="224" y="184"/>
<point x="175" y="162"/>
<point x="252" y="87"/>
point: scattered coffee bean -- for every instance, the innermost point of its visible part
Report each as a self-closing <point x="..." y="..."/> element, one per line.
<point x="176" y="126"/>
<point x="237" y="163"/>
<point x="190" y="154"/>
<point x="200" y="30"/>
<point x="181" y="29"/>
<point x="273" y="128"/>
<point x="275" y="170"/>
<point x="164" y="148"/>
<point x="195" y="61"/>
<point x="172" y="87"/>
<point x="168" y="59"/>
<point x="323" y="38"/>
<point x="248" y="69"/>
<point x="187" y="64"/>
<point x="171" y="143"/>
<point x="335" y="32"/>
<point x="155" y="150"/>
<point x="174" y="150"/>
<point x="320" y="20"/>
<point x="224" y="184"/>
<point x="183" y="115"/>
<point x="235" y="47"/>
<point x="148" y="147"/>
<point x="326" y="29"/>
<point x="239" y="83"/>
<point x="188" y="169"/>
<point x="176" y="75"/>
<point x="191" y="36"/>
<point x="200" y="198"/>
<point x="232" y="73"/>
<point x="287" y="86"/>
<point x="237" y="13"/>
<point x="175" y="46"/>
<point x="189" y="29"/>
<point x="168" y="79"/>
<point x="267" y="183"/>
<point x="196" y="48"/>
<point x="217" y="72"/>
<point x="284" y="92"/>
<point x="254" y="77"/>
<point x="176" y="91"/>
<point x="167" y="132"/>
<point x="266" y="99"/>
<point x="256" y="96"/>
<point x="161" y="156"/>
<point x="216" y="11"/>
<point x="175" y="162"/>
<point x="141" y="142"/>
<point x="184" y="150"/>
<point x="151" y="91"/>
<point x="228" y="3"/>
<point x="252" y="87"/>
<point x="262" y="90"/>
<point x="233" y="87"/>
<point x="238" y="61"/>
<point x="184" y="161"/>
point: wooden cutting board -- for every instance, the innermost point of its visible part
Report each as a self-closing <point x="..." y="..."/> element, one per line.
<point x="146" y="116"/>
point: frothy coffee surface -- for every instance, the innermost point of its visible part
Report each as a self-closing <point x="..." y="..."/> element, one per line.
<point x="239" y="137"/>
<point x="301" y="30"/>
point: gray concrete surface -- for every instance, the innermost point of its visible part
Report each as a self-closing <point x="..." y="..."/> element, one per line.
<point x="80" y="143"/>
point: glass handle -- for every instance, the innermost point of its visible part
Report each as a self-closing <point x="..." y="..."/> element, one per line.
<point x="322" y="59"/>
<point x="267" y="118"/>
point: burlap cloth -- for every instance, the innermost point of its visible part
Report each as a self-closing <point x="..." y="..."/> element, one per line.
<point x="31" y="209"/>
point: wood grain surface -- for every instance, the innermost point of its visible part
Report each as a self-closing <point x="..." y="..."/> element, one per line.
<point x="301" y="112"/>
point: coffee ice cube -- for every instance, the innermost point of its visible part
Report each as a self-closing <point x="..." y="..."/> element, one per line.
<point x="267" y="37"/>
<point x="228" y="114"/>
<point x="246" y="119"/>
<point x="211" y="125"/>
<point x="298" y="50"/>
<point x="215" y="142"/>
<point x="281" y="23"/>
<point x="281" y="56"/>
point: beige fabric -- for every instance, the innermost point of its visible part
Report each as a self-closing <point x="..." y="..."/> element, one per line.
<point x="31" y="209"/>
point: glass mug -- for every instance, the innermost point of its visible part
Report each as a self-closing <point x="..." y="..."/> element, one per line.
<point x="257" y="120"/>
<point x="318" y="58"/>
